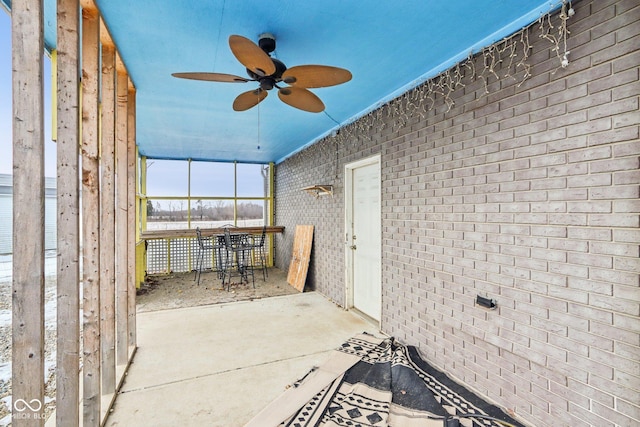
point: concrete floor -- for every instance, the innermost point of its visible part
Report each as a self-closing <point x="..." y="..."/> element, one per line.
<point x="219" y="365"/>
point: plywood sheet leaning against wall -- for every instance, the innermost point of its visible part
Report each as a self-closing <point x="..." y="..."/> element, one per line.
<point x="300" y="256"/>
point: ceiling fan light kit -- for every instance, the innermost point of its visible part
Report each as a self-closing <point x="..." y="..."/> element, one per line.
<point x="270" y="73"/>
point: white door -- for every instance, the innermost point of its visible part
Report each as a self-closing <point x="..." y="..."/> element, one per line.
<point x="364" y="238"/>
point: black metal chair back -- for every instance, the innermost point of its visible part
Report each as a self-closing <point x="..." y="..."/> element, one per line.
<point x="199" y="237"/>
<point x="202" y="247"/>
<point x="259" y="253"/>
<point x="238" y="260"/>
<point x="262" y="236"/>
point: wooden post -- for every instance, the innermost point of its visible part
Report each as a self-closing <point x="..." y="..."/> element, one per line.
<point x="143" y="194"/>
<point x="68" y="219"/>
<point x="107" y="221"/>
<point x="131" y="215"/>
<point x="122" y="302"/>
<point x="90" y="218"/>
<point x="271" y="192"/>
<point x="28" y="213"/>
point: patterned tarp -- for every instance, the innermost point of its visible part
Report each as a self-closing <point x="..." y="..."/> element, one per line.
<point x="374" y="382"/>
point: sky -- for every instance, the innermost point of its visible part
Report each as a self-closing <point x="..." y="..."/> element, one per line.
<point x="169" y="177"/>
<point x="6" y="158"/>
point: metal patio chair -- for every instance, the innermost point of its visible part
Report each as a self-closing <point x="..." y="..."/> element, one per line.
<point x="258" y="255"/>
<point x="204" y="244"/>
<point x="238" y="259"/>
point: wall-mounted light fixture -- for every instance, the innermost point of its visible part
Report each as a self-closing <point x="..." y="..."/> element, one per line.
<point x="486" y="302"/>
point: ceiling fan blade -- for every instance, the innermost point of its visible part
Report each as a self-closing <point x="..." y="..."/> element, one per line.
<point x="212" y="77"/>
<point x="311" y="76"/>
<point x="249" y="99"/>
<point x="251" y="56"/>
<point x="301" y="98"/>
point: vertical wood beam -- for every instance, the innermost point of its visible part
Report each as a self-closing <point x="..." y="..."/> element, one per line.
<point x="107" y="221"/>
<point x="68" y="217"/>
<point x="122" y="302"/>
<point x="131" y="215"/>
<point x="28" y="211"/>
<point x="143" y="195"/>
<point x="90" y="218"/>
<point x="271" y="211"/>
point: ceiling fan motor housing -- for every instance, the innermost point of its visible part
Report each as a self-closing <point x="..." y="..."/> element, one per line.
<point x="268" y="82"/>
<point x="267" y="42"/>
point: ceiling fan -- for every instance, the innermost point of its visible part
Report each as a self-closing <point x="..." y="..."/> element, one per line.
<point x="271" y="73"/>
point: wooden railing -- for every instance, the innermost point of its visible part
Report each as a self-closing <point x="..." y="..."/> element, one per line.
<point x="206" y="232"/>
<point x="174" y="251"/>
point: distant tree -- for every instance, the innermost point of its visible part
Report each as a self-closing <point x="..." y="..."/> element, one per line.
<point x="199" y="204"/>
<point x="248" y="210"/>
<point x="150" y="209"/>
<point x="171" y="212"/>
<point x="218" y="210"/>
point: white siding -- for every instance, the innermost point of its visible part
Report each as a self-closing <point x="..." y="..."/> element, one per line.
<point x="6" y="214"/>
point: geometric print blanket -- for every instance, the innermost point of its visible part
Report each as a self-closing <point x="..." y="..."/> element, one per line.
<point x="376" y="382"/>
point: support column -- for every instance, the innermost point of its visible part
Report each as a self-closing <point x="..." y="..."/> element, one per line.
<point x="122" y="301"/>
<point x="90" y="218"/>
<point x="132" y="156"/>
<point x="68" y="215"/>
<point x="28" y="213"/>
<point x="107" y="220"/>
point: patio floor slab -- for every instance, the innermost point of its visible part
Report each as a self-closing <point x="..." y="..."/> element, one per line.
<point x="219" y="365"/>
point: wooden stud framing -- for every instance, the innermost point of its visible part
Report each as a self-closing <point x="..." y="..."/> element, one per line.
<point x="122" y="301"/>
<point x="107" y="212"/>
<point x="107" y="220"/>
<point x="90" y="219"/>
<point x="28" y="212"/>
<point x="68" y="217"/>
<point x="132" y="156"/>
<point x="142" y="173"/>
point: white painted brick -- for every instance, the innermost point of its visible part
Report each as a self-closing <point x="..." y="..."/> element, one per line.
<point x="528" y="194"/>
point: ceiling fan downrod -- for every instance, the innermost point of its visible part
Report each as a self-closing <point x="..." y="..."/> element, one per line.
<point x="267" y="42"/>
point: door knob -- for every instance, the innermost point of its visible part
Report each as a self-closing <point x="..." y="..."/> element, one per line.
<point x="353" y="247"/>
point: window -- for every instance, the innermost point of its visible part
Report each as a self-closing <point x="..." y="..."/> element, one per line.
<point x="212" y="179"/>
<point x="183" y="194"/>
<point x="252" y="180"/>
<point x="167" y="177"/>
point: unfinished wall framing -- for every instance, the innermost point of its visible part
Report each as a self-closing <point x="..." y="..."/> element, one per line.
<point x="100" y="368"/>
<point x="526" y="192"/>
<point x="28" y="208"/>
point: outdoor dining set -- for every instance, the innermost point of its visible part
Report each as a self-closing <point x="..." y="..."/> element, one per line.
<point x="234" y="253"/>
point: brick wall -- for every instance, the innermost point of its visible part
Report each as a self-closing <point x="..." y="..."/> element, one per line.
<point x="529" y="195"/>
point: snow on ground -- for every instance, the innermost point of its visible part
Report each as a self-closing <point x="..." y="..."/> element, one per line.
<point x="5" y="336"/>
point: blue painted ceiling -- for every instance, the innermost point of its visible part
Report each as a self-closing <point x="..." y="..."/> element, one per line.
<point x="389" y="47"/>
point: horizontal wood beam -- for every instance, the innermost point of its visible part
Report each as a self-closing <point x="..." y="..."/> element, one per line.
<point x="206" y="232"/>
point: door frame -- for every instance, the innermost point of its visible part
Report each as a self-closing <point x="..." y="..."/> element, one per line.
<point x="348" y="210"/>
